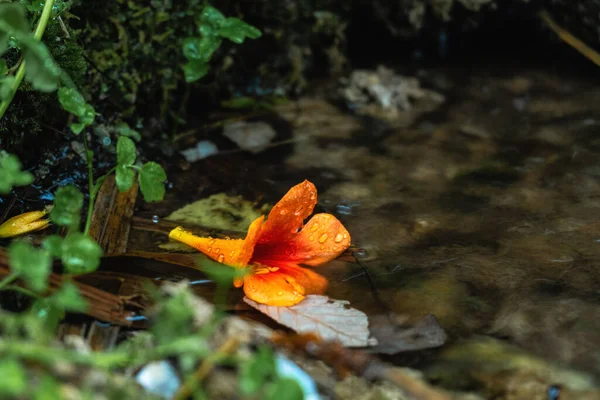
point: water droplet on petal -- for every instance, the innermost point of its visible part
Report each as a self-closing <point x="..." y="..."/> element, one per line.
<point x="298" y="210"/>
<point x="282" y="212"/>
<point x="211" y="242"/>
<point x="311" y="238"/>
<point x="323" y="238"/>
<point x="338" y="238"/>
<point x="221" y="258"/>
<point x="314" y="227"/>
<point x="279" y="293"/>
<point x="232" y="253"/>
<point x="217" y="250"/>
<point x="155" y="219"/>
<point x="312" y="195"/>
<point x="209" y="249"/>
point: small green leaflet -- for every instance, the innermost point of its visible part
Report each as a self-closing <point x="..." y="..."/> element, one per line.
<point x="11" y="174"/>
<point x="151" y="179"/>
<point x="68" y="201"/>
<point x="32" y="264"/>
<point x="124" y="175"/>
<point x="80" y="254"/>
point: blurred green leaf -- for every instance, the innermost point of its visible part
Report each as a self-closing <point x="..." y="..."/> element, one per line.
<point x="174" y="318"/>
<point x="123" y="129"/>
<point x="284" y="389"/>
<point x="40" y="69"/>
<point x="52" y="244"/>
<point x="12" y="20"/>
<point x="6" y="86"/>
<point x="221" y="274"/>
<point x="14" y="381"/>
<point x="211" y="16"/>
<point x="256" y="371"/>
<point x="201" y="49"/>
<point x="68" y="201"/>
<point x="237" y="30"/>
<point x="80" y="254"/>
<point x="68" y="298"/>
<point x="11" y="174"/>
<point x="47" y="389"/>
<point x="32" y="264"/>
<point x="152" y="177"/>
<point x="194" y="70"/>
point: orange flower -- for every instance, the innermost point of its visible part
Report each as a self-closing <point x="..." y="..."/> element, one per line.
<point x="274" y="248"/>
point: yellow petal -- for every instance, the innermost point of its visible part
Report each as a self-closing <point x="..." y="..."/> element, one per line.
<point x="234" y="252"/>
<point x="24" y="223"/>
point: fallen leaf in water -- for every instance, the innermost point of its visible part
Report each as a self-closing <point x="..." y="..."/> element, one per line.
<point x="331" y="319"/>
<point x="395" y="334"/>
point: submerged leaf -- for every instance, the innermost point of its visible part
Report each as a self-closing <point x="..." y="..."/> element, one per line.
<point x="331" y="319"/>
<point x="394" y="334"/>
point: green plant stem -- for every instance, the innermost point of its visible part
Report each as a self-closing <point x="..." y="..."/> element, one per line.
<point x="39" y="32"/>
<point x="42" y="353"/>
<point x="10" y="278"/>
<point x="92" y="197"/>
<point x="26" y="292"/>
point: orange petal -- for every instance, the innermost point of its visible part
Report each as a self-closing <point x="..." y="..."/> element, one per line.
<point x="285" y="287"/>
<point x="322" y="239"/>
<point x="234" y="252"/>
<point x="288" y="215"/>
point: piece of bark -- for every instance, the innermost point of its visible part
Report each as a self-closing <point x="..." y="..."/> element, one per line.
<point x="111" y="218"/>
<point x="102" y="305"/>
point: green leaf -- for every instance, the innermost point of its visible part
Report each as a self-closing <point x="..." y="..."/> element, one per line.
<point x="52" y="244"/>
<point x="77" y="127"/>
<point x="125" y="151"/>
<point x="211" y="16"/>
<point x="88" y="116"/>
<point x="284" y="389"/>
<point x="237" y="30"/>
<point x="194" y="70"/>
<point x="201" y="49"/>
<point x="12" y="20"/>
<point x="80" y="254"/>
<point x="68" y="298"/>
<point x="222" y="275"/>
<point x="257" y="370"/>
<point x="174" y="318"/>
<point x="6" y="86"/>
<point x="124" y="177"/>
<point x="3" y="67"/>
<point x="72" y="101"/>
<point x="47" y="389"/>
<point x="32" y="264"/>
<point x="240" y="102"/>
<point x="11" y="174"/>
<point x="151" y="178"/>
<point x="68" y="201"/>
<point x="123" y="129"/>
<point x="14" y="380"/>
<point x="40" y="69"/>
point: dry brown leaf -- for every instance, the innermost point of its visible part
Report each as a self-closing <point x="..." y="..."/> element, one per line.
<point x="331" y="319"/>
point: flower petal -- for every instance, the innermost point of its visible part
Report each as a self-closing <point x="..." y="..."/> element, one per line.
<point x="322" y="239"/>
<point x="23" y="223"/>
<point x="288" y="215"/>
<point x="234" y="252"/>
<point x="285" y="287"/>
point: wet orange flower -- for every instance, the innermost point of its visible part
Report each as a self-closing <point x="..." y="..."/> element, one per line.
<point x="273" y="249"/>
